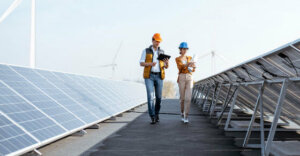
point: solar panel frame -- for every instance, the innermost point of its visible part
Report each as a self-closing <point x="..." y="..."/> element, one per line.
<point x="279" y="69"/>
<point x="39" y="98"/>
<point x="34" y="117"/>
<point x="140" y="89"/>
<point x="105" y="86"/>
<point x="101" y="92"/>
<point x="19" y="141"/>
<point x="113" y="93"/>
<point x="294" y="44"/>
<point x="99" y="102"/>
<point x="73" y="91"/>
<point x="80" y="112"/>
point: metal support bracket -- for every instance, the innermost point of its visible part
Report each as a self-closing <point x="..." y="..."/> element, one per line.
<point x="196" y="93"/>
<point x="258" y="104"/>
<point x="232" y="107"/>
<point x="35" y="152"/>
<point x="276" y="116"/>
<point x="96" y="126"/>
<point x="206" y="97"/>
<point x="201" y="95"/>
<point x="215" y="101"/>
<point x="213" y="98"/>
<point x="225" y="106"/>
<point x="79" y="133"/>
<point x="113" y="118"/>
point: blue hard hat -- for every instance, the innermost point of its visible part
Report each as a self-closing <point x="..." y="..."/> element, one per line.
<point x="183" y="45"/>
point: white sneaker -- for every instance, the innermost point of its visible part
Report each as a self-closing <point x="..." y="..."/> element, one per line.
<point x="182" y="117"/>
<point x="186" y="120"/>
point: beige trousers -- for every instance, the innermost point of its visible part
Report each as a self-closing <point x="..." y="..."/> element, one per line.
<point x="185" y="83"/>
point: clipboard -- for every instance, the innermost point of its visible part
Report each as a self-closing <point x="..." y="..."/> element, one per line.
<point x="163" y="56"/>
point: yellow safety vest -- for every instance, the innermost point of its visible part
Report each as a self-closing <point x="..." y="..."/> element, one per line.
<point x="149" y="59"/>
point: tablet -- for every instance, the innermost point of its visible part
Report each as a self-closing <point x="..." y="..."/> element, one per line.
<point x="163" y="56"/>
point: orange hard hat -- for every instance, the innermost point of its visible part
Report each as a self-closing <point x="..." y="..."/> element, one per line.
<point x="157" y="37"/>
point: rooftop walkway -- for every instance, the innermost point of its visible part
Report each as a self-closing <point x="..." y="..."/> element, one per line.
<point x="170" y="136"/>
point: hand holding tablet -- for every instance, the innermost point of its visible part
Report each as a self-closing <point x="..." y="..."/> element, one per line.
<point x="162" y="57"/>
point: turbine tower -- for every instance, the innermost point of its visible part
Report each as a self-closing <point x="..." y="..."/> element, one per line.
<point x="32" y="35"/>
<point x="10" y="9"/>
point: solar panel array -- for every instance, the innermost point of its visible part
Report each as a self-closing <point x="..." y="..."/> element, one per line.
<point x="39" y="106"/>
<point x="272" y="72"/>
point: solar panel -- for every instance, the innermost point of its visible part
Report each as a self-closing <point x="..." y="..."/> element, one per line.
<point x="122" y="91"/>
<point x="115" y="93"/>
<point x="102" y="93"/>
<point x="111" y="93"/>
<point x="106" y="91"/>
<point x="27" y="115"/>
<point x="99" y="103"/>
<point x="39" y="106"/>
<point x="12" y="137"/>
<point x="35" y="95"/>
<point x="57" y="95"/>
<point x="75" y="92"/>
<point x="277" y="73"/>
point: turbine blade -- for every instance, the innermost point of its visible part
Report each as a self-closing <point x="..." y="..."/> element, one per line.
<point x="11" y="8"/>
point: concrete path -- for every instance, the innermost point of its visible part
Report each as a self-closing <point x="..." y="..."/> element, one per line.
<point x="170" y="137"/>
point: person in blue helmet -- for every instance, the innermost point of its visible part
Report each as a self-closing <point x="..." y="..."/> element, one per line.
<point x="185" y="67"/>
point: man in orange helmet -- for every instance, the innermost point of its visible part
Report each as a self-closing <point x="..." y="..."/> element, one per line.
<point x="154" y="75"/>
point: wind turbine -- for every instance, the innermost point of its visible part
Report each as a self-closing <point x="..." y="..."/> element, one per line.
<point x="213" y="55"/>
<point x="10" y="9"/>
<point x="113" y="65"/>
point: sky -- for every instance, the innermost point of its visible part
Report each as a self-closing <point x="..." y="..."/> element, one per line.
<point x="76" y="36"/>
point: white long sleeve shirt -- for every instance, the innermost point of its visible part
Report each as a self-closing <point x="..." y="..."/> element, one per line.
<point x="155" y="68"/>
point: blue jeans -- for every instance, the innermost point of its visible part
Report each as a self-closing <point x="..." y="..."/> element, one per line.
<point x="154" y="83"/>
